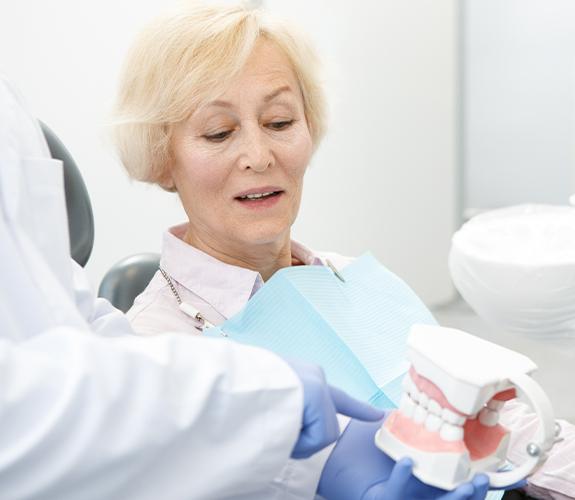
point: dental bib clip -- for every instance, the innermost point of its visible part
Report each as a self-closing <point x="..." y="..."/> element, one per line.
<point x="447" y="422"/>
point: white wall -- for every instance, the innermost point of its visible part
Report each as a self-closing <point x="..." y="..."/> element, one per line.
<point x="519" y="105"/>
<point x="384" y="178"/>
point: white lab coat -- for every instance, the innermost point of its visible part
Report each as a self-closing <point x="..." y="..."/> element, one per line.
<point x="84" y="417"/>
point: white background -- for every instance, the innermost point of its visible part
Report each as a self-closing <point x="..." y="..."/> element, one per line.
<point x="518" y="101"/>
<point x="382" y="181"/>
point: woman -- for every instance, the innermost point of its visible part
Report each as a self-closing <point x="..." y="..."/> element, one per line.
<point x="225" y="108"/>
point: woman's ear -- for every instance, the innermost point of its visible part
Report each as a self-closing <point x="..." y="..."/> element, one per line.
<point x="166" y="178"/>
<point x="171" y="188"/>
<point x="168" y="184"/>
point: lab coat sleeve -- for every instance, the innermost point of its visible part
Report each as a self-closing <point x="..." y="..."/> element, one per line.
<point x="102" y="317"/>
<point x="171" y="417"/>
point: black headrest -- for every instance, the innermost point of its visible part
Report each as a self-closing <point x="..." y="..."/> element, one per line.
<point x="80" y="216"/>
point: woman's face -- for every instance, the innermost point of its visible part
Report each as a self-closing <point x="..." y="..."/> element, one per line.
<point x="239" y="161"/>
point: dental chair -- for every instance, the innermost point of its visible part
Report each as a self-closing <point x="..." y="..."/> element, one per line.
<point x="78" y="206"/>
<point x="127" y="278"/>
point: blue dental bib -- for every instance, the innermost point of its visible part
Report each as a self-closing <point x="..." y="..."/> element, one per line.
<point x="355" y="329"/>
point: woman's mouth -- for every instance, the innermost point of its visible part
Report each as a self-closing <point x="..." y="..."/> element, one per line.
<point x="264" y="199"/>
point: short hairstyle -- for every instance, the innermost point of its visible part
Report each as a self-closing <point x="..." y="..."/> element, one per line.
<point x="182" y="61"/>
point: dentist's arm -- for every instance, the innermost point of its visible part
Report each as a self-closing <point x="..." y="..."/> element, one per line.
<point x="86" y="418"/>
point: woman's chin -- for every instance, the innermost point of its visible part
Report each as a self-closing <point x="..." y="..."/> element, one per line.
<point x="263" y="234"/>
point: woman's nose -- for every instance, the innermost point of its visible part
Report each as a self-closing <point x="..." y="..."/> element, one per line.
<point x="256" y="152"/>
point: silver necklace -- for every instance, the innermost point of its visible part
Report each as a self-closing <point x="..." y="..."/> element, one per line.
<point x="186" y="308"/>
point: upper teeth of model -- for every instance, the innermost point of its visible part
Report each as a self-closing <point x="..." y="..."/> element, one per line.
<point x="256" y="196"/>
<point x="418" y="406"/>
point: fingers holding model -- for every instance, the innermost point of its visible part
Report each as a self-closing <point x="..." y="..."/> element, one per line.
<point x="358" y="470"/>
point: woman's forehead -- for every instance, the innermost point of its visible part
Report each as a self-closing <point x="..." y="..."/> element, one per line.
<point x="265" y="69"/>
<point x="267" y="77"/>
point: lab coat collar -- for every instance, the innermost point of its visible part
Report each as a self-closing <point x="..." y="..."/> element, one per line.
<point x="226" y="287"/>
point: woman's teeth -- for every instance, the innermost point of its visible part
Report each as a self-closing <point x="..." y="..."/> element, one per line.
<point x="257" y="196"/>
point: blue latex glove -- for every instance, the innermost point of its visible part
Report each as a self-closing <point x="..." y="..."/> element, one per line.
<point x="321" y="405"/>
<point x="358" y="470"/>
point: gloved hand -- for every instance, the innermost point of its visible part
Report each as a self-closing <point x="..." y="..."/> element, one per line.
<point x="358" y="470"/>
<point x="321" y="405"/>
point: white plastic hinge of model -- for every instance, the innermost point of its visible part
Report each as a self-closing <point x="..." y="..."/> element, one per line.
<point x="448" y="417"/>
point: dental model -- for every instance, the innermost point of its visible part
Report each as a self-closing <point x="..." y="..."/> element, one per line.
<point x="448" y="416"/>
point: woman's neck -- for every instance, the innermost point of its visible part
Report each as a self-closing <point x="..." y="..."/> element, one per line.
<point x="265" y="259"/>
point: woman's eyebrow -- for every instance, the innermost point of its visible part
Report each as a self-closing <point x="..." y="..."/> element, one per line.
<point x="270" y="97"/>
<point x="277" y="92"/>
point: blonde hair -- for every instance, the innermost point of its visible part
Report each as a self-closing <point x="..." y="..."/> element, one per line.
<point x="182" y="61"/>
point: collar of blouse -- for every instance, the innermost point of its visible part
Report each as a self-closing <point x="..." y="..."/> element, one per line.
<point x="226" y="287"/>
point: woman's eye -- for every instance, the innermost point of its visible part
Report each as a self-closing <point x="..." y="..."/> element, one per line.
<point x="218" y="137"/>
<point x="280" y="125"/>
